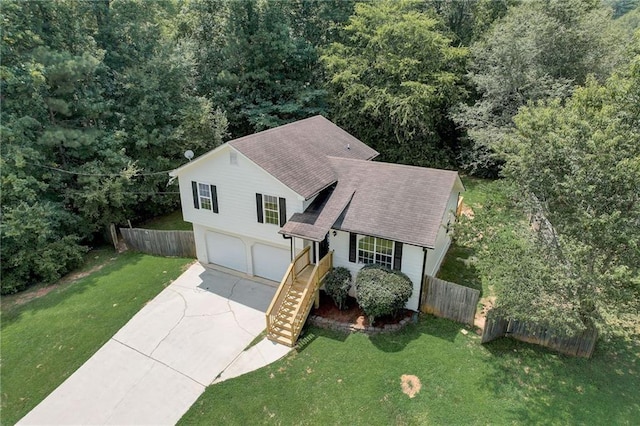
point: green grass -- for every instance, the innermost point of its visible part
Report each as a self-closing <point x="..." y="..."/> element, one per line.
<point x="337" y="379"/>
<point x="46" y="339"/>
<point x="355" y="380"/>
<point x="492" y="205"/>
<point x="169" y="222"/>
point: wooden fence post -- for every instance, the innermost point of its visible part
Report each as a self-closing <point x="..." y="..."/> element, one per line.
<point x="114" y="235"/>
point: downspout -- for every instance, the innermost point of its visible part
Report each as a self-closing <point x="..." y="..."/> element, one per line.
<point x="290" y="238"/>
<point x="424" y="267"/>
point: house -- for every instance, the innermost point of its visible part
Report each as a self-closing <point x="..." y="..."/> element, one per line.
<point x="309" y="187"/>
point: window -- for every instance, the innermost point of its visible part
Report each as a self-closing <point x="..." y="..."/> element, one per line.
<point x="271" y="209"/>
<point x="375" y="250"/>
<point x="271" y="213"/>
<point x="205" y="196"/>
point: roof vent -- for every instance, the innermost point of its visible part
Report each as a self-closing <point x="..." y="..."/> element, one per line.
<point x="233" y="158"/>
<point x="348" y="146"/>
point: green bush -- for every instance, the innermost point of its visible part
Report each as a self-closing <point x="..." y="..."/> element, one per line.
<point x="381" y="291"/>
<point x="337" y="284"/>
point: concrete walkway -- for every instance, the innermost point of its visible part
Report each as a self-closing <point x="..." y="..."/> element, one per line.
<point x="192" y="334"/>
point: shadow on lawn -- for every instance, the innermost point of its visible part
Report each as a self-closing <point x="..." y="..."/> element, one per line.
<point x="427" y="324"/>
<point x="559" y="389"/>
<point x="458" y="267"/>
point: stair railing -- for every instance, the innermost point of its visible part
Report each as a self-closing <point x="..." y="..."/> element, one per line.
<point x="289" y="278"/>
<point x="310" y="293"/>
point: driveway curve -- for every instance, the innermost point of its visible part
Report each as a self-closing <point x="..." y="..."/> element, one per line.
<point x="155" y="367"/>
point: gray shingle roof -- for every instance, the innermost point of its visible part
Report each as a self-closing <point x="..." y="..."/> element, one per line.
<point x="392" y="201"/>
<point x="318" y="219"/>
<point x="296" y="153"/>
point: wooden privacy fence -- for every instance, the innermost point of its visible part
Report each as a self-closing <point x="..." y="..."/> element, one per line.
<point x="581" y="344"/>
<point x="449" y="300"/>
<point x="162" y="243"/>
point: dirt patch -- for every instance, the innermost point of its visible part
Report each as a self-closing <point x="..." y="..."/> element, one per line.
<point x="410" y="385"/>
<point x="354" y="315"/>
<point x="43" y="290"/>
<point x="467" y="211"/>
<point x="481" y="314"/>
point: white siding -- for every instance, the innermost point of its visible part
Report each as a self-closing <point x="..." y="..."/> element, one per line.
<point x="236" y="186"/>
<point x="308" y="202"/>
<point x="443" y="241"/>
<point x="412" y="258"/>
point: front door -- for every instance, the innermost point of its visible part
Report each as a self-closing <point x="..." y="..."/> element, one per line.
<point x="323" y="247"/>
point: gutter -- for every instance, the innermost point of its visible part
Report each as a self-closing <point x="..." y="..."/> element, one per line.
<point x="424" y="267"/>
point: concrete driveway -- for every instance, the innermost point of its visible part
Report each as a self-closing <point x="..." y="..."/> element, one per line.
<point x="192" y="334"/>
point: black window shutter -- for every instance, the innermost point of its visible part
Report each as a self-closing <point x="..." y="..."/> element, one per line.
<point x="259" y="208"/>
<point x="214" y="198"/>
<point x="352" y="247"/>
<point x="283" y="210"/>
<point x="194" y="188"/>
<point x="397" y="256"/>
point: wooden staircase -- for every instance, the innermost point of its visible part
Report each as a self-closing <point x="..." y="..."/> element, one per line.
<point x="292" y="302"/>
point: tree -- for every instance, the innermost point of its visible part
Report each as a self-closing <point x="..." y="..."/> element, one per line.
<point x="156" y="114"/>
<point x="393" y="79"/>
<point x="579" y="165"/>
<point x="260" y="69"/>
<point x="53" y="119"/>
<point x="98" y="104"/>
<point x="469" y="19"/>
<point x="539" y="50"/>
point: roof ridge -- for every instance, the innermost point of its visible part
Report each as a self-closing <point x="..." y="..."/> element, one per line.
<point x="386" y="163"/>
<point x="263" y="132"/>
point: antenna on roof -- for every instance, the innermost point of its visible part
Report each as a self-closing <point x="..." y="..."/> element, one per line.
<point x="188" y="154"/>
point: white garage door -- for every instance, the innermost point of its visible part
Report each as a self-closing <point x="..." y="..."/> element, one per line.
<point x="227" y="251"/>
<point x="270" y="262"/>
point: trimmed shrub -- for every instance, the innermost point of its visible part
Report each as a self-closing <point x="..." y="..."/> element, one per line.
<point x="337" y="284"/>
<point x="381" y="291"/>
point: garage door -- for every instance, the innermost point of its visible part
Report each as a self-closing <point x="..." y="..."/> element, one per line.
<point x="270" y="262"/>
<point x="227" y="251"/>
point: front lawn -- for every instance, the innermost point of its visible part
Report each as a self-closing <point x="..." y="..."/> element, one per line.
<point x="337" y="379"/>
<point x="46" y="339"/>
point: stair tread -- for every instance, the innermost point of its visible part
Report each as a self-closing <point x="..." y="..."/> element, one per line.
<point x="281" y="340"/>
<point x="285" y="334"/>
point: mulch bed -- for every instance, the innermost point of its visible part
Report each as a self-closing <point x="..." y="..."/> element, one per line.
<point x="354" y="316"/>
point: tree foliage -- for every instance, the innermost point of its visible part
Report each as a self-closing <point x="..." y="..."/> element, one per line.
<point x="392" y="79"/>
<point x="337" y="285"/>
<point x="259" y="64"/>
<point x="88" y="119"/>
<point x="539" y="50"/>
<point x="381" y="291"/>
<point x="578" y="163"/>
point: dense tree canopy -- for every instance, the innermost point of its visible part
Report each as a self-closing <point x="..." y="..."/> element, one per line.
<point x="539" y="50"/>
<point x="579" y="165"/>
<point x="90" y="124"/>
<point x="392" y="80"/>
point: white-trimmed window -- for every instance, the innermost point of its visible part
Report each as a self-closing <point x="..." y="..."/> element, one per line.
<point x="375" y="250"/>
<point x="205" y="196"/>
<point x="271" y="211"/>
